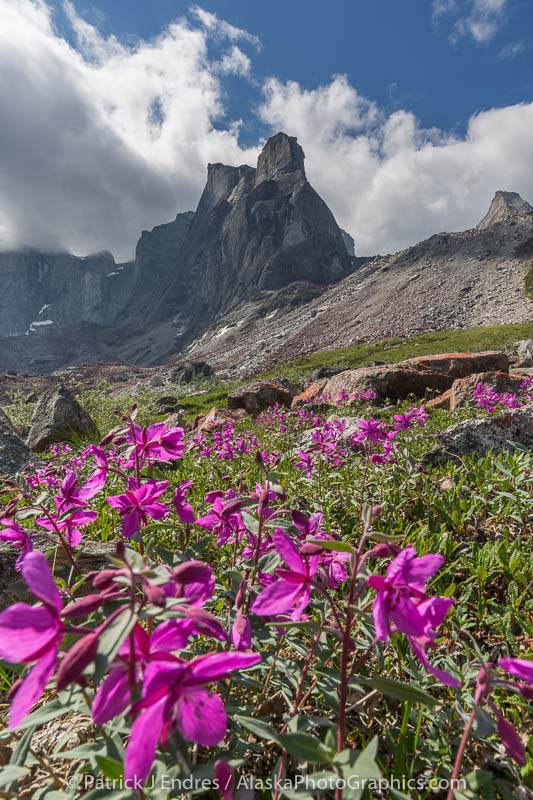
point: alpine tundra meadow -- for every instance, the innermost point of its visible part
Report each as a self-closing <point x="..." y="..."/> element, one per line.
<point x="292" y="607"/>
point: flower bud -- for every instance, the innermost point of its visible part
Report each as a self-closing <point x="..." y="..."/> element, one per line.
<point x="76" y="660"/>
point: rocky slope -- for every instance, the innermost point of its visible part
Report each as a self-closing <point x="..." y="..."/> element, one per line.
<point x="451" y="280"/>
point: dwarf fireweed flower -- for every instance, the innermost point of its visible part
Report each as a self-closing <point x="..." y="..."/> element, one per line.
<point x="14" y="534"/>
<point x="184" y="510"/>
<point x="176" y="694"/>
<point x="32" y="635"/>
<point x="291" y="593"/>
<point x="403" y="605"/>
<point x="155" y="443"/>
<point x="137" y="505"/>
<point x="68" y="525"/>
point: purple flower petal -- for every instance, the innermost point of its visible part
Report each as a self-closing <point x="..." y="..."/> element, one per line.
<point x="202" y="717"/>
<point x="38" y="577"/>
<point x="113" y="696"/>
<point x="32" y="688"/>
<point x="144" y="736"/>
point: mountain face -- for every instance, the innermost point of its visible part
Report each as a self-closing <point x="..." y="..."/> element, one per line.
<point x="506" y="206"/>
<point x="41" y="292"/>
<point x="259" y="273"/>
<point x="255" y="230"/>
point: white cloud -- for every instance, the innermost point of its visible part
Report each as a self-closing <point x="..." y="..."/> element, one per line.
<point x="101" y="140"/>
<point x="480" y="19"/>
<point x="391" y="183"/>
<point x="235" y="62"/>
<point x="512" y="51"/>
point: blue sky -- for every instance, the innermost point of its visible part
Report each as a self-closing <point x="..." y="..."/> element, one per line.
<point x="411" y="113"/>
<point x="398" y="53"/>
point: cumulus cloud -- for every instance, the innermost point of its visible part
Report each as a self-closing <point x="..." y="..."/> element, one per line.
<point x="100" y="139"/>
<point x="391" y="183"/>
<point x="479" y="19"/>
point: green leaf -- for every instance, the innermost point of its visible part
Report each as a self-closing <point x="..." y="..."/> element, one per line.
<point x="44" y="714"/>
<point x="259" y="728"/>
<point x="305" y="748"/>
<point x="398" y="690"/>
<point x="485" y="725"/>
<point x="111" y="639"/>
<point x="359" y="768"/>
<point x="11" y="773"/>
<point x="110" y="768"/>
<point x="333" y="544"/>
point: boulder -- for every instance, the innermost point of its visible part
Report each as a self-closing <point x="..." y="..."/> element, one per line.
<point x="90" y="555"/>
<point x="59" y="418"/>
<point x="463" y="388"/>
<point x="393" y="382"/>
<point x="310" y="395"/>
<point x="443" y="401"/>
<point x="524" y="349"/>
<point x="325" y="372"/>
<point x="217" y="417"/>
<point x="496" y="433"/>
<point x="459" y="365"/>
<point x="174" y="420"/>
<point x="192" y="371"/>
<point x="165" y="405"/>
<point x="14" y="454"/>
<point x="259" y="396"/>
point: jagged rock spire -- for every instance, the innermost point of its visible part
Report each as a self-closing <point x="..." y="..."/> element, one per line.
<point x="505" y="205"/>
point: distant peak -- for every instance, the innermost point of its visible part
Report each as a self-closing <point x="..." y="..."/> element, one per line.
<point x="505" y="205"/>
<point x="281" y="155"/>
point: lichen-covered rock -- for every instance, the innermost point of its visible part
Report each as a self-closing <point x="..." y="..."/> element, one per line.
<point x="393" y="382"/>
<point x="259" y="396"/>
<point x="14" y="454"/>
<point x="59" y="418"/>
<point x="463" y="388"/>
<point x="310" y="395"/>
<point x="459" y="365"/>
<point x="496" y="433"/>
<point x="90" y="555"/>
<point x="217" y="417"/>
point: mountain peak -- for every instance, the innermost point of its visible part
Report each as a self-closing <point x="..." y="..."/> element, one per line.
<point x="281" y="155"/>
<point x="504" y="206"/>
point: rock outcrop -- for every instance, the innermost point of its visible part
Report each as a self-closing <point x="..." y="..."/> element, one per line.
<point x="14" y="454"/>
<point x="59" y="417"/>
<point x="255" y="231"/>
<point x="259" y="396"/>
<point x="389" y="383"/>
<point x="505" y="206"/>
<point x="497" y="432"/>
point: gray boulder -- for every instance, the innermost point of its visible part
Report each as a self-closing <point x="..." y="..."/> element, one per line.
<point x="496" y="433"/>
<point x="14" y="454"/>
<point x="191" y="371"/>
<point x="525" y="352"/>
<point x="59" y="418"/>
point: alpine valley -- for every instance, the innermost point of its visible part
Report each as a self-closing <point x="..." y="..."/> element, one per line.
<point x="258" y="274"/>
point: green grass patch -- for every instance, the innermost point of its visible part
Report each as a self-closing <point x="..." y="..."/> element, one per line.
<point x="392" y="350"/>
